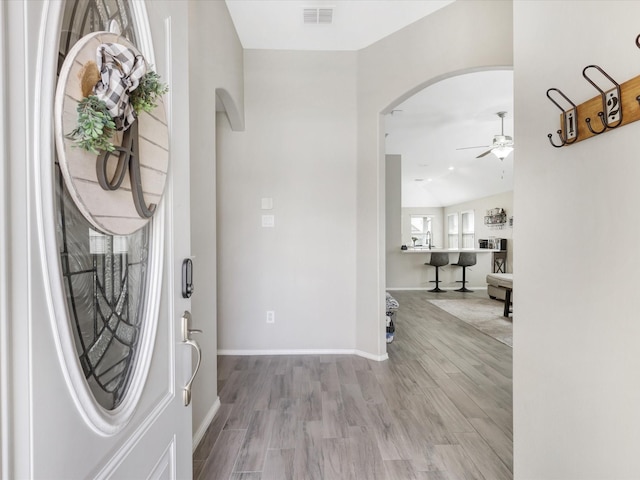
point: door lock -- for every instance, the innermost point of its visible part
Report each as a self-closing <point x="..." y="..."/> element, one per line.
<point x="187" y="278"/>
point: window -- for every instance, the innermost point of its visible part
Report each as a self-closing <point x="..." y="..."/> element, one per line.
<point x="452" y="230"/>
<point x="468" y="229"/>
<point x="105" y="277"/>
<point x="421" y="230"/>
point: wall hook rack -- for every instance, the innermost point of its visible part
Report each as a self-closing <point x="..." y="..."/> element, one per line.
<point x="611" y="113"/>
<point x="608" y="106"/>
<point x="569" y="120"/>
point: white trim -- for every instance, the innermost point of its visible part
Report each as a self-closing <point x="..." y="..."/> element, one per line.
<point x="5" y="451"/>
<point x="107" y="470"/>
<point x="165" y="467"/>
<point x="360" y="353"/>
<point x="371" y="356"/>
<point x="170" y="222"/>
<point x="206" y="421"/>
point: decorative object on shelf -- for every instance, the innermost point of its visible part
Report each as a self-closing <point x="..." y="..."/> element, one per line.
<point x="502" y="144"/>
<point x="496" y="217"/>
<point x="113" y="153"/>
<point x="609" y="106"/>
<point x="569" y="121"/>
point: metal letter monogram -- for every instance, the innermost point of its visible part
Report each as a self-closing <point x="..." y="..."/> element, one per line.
<point x="129" y="156"/>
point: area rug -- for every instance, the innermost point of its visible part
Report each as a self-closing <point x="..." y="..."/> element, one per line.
<point x="482" y="313"/>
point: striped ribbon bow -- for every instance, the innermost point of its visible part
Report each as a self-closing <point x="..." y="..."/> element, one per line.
<point x="120" y="72"/>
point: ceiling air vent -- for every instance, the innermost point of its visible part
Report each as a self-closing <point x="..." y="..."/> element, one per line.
<point x="318" y="15"/>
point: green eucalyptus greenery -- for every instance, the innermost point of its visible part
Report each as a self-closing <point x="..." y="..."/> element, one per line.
<point x="95" y="126"/>
<point x="145" y="96"/>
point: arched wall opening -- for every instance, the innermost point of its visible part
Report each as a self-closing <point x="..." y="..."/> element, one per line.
<point x="437" y="165"/>
<point x="449" y="42"/>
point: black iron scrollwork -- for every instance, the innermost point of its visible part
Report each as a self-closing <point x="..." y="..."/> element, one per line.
<point x="128" y="156"/>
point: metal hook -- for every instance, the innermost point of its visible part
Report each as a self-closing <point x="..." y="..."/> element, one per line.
<point x="569" y="121"/>
<point x="611" y="114"/>
<point x="604" y="125"/>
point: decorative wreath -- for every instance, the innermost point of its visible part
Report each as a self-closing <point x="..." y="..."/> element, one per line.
<point x="116" y="88"/>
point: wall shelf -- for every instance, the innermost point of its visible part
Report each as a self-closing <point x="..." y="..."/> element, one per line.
<point x="496" y="217"/>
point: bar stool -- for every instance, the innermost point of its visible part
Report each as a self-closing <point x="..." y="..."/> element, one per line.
<point x="466" y="259"/>
<point x="438" y="259"/>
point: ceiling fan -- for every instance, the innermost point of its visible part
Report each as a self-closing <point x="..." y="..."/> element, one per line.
<point x="502" y="144"/>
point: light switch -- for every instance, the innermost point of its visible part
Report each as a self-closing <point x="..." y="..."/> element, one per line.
<point x="268" y="220"/>
<point x="267" y="203"/>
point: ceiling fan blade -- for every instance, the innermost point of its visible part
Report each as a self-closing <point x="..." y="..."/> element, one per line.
<point x="483" y="154"/>
<point x="479" y="146"/>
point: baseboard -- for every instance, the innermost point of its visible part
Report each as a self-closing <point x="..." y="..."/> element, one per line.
<point x="199" y="434"/>
<point x="360" y="353"/>
<point x="370" y="356"/>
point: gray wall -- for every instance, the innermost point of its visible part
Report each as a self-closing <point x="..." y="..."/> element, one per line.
<point x="215" y="55"/>
<point x="313" y="143"/>
<point x="298" y="149"/>
<point x="576" y="329"/>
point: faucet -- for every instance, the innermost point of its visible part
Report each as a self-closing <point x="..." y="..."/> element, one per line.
<point x="429" y="239"/>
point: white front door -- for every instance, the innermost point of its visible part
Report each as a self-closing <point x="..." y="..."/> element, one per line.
<point x="65" y="413"/>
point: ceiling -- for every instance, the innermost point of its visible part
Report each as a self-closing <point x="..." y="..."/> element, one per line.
<point x="356" y="24"/>
<point x="428" y="128"/>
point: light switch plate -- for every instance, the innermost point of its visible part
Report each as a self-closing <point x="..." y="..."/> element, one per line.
<point x="267" y="203"/>
<point x="268" y="220"/>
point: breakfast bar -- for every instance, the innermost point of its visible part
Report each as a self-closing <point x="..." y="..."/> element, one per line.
<point x="450" y="275"/>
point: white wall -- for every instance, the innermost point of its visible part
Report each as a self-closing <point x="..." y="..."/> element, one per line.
<point x="298" y="149"/>
<point x="215" y="55"/>
<point x="576" y="333"/>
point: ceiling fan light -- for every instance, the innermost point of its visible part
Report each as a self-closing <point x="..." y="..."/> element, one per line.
<point x="502" y="151"/>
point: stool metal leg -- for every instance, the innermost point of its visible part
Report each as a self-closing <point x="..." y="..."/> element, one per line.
<point x="437" y="289"/>
<point x="464" y="281"/>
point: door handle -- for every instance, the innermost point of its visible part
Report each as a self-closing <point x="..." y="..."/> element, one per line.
<point x="187" y="340"/>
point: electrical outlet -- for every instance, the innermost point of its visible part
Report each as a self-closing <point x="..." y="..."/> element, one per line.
<point x="271" y="316"/>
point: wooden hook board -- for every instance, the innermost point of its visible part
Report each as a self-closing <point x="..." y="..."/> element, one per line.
<point x="629" y="90"/>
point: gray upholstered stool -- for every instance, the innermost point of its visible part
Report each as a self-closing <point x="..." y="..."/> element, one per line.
<point x="438" y="259"/>
<point x="466" y="259"/>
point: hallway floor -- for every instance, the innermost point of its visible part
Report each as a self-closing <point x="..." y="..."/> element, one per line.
<point x="439" y="409"/>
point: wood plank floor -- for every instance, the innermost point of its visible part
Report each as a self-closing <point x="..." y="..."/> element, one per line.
<point x="439" y="409"/>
